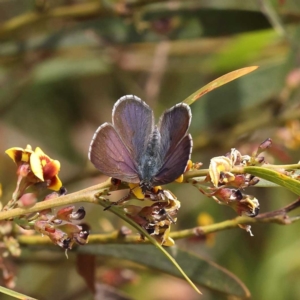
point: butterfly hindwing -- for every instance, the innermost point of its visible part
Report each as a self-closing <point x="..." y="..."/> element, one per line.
<point x="175" y="163"/>
<point x="173" y="126"/>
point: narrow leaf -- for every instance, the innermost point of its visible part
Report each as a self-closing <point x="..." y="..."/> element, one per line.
<point x="86" y="267"/>
<point x="14" y="294"/>
<point x="121" y="214"/>
<point x="274" y="176"/>
<point x="200" y="270"/>
<point x="217" y="83"/>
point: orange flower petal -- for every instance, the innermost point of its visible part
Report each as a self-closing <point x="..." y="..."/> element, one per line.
<point x="45" y="159"/>
<point x="55" y="184"/>
<point x="51" y="169"/>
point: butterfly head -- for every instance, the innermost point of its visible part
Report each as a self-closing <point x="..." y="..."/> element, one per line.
<point x="146" y="186"/>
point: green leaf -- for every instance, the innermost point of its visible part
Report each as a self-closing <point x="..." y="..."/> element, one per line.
<point x="120" y="213"/>
<point x="236" y="98"/>
<point x="217" y="83"/>
<point x="14" y="294"/>
<point x="201" y="271"/>
<point x="274" y="176"/>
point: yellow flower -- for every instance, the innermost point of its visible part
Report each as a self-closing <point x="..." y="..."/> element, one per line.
<point x="137" y="191"/>
<point x="205" y="219"/>
<point x="218" y="166"/>
<point x="36" y="166"/>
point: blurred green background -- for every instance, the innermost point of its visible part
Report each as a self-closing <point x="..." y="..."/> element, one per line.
<point x="63" y="64"/>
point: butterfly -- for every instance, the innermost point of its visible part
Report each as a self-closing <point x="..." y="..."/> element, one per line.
<point x="135" y="150"/>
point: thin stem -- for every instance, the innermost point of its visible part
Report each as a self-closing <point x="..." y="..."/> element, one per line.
<point x="83" y="10"/>
<point x="86" y="195"/>
<point x="115" y="236"/>
<point x="273" y="18"/>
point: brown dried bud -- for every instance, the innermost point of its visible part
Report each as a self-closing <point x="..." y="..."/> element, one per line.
<point x="79" y="214"/>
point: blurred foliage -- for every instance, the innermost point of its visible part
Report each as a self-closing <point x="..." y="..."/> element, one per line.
<point x="64" y="63"/>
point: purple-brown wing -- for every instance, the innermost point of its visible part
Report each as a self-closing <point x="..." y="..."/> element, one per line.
<point x="133" y="120"/>
<point x="110" y="156"/>
<point x="175" y="163"/>
<point x="173" y="126"/>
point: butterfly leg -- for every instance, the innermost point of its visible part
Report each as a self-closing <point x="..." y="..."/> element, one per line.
<point x="120" y="201"/>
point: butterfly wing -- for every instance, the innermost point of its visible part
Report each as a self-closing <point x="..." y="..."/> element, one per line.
<point x="173" y="126"/>
<point x="175" y="163"/>
<point x="110" y="156"/>
<point x="133" y="120"/>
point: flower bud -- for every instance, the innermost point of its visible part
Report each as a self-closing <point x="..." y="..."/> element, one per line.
<point x="79" y="214"/>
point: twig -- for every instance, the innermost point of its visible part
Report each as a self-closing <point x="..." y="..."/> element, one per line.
<point x="90" y="9"/>
<point x="282" y="211"/>
<point x="86" y="195"/>
<point x="159" y="64"/>
<point x="276" y="217"/>
<point x="83" y="10"/>
<point x="273" y="18"/>
<point x="206" y="138"/>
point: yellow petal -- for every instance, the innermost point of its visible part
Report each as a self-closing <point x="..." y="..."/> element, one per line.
<point x="204" y="219"/>
<point x="179" y="179"/>
<point x="137" y="191"/>
<point x="36" y="166"/>
<point x="169" y="242"/>
<point x="25" y="156"/>
<point x="188" y="166"/>
<point x="38" y="151"/>
<point x="12" y="152"/>
<point x="56" y="184"/>
<point x="217" y="165"/>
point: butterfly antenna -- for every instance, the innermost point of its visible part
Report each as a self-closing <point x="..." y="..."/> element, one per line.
<point x="170" y="218"/>
<point x="165" y="213"/>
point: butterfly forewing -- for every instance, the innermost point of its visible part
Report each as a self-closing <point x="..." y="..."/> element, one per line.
<point x="110" y="156"/>
<point x="175" y="163"/>
<point x="133" y="120"/>
<point x="173" y="126"/>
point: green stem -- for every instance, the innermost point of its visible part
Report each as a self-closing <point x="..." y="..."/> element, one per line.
<point x="83" y="10"/>
<point x="116" y="237"/>
<point x="86" y="195"/>
<point x="240" y="169"/>
<point x="121" y="214"/>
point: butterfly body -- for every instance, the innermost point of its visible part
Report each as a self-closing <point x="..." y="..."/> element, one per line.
<point x="151" y="160"/>
<point x="134" y="150"/>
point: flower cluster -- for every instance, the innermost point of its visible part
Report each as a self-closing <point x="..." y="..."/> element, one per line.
<point x="34" y="169"/>
<point x="157" y="218"/>
<point x="9" y="246"/>
<point x="37" y="172"/>
<point x="226" y="187"/>
<point x="59" y="226"/>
